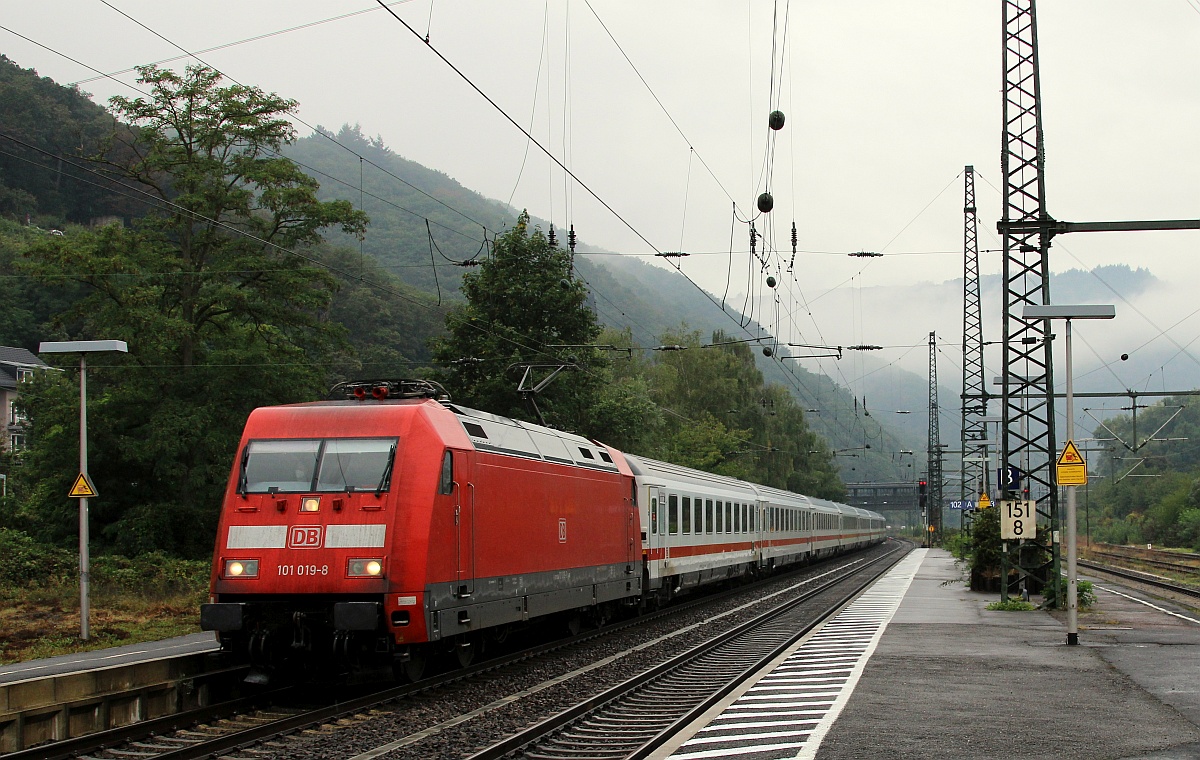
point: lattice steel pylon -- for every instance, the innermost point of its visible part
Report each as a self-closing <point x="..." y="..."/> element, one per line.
<point x="1027" y="384"/>
<point x="974" y="396"/>
<point x="933" y="502"/>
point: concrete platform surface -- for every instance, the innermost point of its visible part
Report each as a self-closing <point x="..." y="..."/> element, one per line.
<point x="950" y="679"/>
<point x="103" y="658"/>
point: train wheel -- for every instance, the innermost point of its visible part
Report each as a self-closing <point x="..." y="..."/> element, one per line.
<point x="574" y="623"/>
<point x="411" y="670"/>
<point x="464" y="651"/>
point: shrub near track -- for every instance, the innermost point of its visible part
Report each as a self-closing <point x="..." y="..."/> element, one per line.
<point x="134" y="599"/>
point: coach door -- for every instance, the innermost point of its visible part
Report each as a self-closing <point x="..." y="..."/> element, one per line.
<point x="657" y="526"/>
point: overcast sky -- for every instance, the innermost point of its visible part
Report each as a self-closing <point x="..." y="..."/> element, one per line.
<point x="885" y="104"/>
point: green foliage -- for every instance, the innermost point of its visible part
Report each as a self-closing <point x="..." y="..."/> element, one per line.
<point x="984" y="554"/>
<point x="219" y="315"/>
<point x="400" y="192"/>
<point x="1011" y="605"/>
<point x="25" y="562"/>
<point x="48" y="119"/>
<point x="958" y="544"/>
<point x="1160" y="502"/>
<point x="1085" y="594"/>
<point x="701" y="407"/>
<point x="724" y="417"/>
<point x="522" y="303"/>
<point x="400" y="195"/>
<point x="219" y="323"/>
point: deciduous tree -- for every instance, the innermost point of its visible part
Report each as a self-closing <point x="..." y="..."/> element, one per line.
<point x="220" y="312"/>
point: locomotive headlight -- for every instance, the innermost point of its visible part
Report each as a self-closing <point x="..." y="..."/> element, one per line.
<point x="310" y="504"/>
<point x="365" y="568"/>
<point x="241" y="568"/>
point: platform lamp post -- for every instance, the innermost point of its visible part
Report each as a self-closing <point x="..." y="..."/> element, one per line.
<point x="1069" y="313"/>
<point x="83" y="348"/>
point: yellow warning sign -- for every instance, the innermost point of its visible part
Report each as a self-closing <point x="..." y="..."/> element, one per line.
<point x="1071" y="469"/>
<point x="1070" y="455"/>
<point x="83" y="488"/>
<point x="984" y="502"/>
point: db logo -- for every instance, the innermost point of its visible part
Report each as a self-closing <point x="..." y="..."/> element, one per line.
<point x="562" y="530"/>
<point x="304" y="537"/>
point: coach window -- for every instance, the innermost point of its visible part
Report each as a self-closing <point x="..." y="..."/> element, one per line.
<point x="708" y="516"/>
<point x="673" y="514"/>
<point x="687" y="514"/>
<point x="653" y="515"/>
<point x="736" y="514"/>
<point x="446" y="483"/>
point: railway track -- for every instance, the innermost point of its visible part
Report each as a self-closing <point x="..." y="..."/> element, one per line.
<point x="254" y="724"/>
<point x="633" y="718"/>
<point x="1143" y="578"/>
<point x="1182" y="568"/>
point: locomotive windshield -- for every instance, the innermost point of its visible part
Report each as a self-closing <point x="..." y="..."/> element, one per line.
<point x="310" y="465"/>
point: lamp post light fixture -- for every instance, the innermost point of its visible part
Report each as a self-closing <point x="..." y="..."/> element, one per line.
<point x="1068" y="313"/>
<point x="83" y="348"/>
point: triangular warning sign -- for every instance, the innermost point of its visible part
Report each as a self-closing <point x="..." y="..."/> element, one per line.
<point x="1070" y="455"/>
<point x="83" y="488"/>
<point x="984" y="502"/>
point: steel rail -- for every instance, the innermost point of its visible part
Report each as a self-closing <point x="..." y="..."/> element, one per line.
<point x="1178" y="567"/>
<point x="155" y="729"/>
<point x="1149" y="580"/>
<point x="647" y="731"/>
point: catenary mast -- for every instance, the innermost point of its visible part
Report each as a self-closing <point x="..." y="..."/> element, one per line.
<point x="974" y="398"/>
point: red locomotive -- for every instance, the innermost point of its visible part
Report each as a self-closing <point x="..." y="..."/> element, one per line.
<point x="385" y="526"/>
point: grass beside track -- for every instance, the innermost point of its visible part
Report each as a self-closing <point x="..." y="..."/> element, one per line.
<point x="133" y="599"/>
<point x="44" y="622"/>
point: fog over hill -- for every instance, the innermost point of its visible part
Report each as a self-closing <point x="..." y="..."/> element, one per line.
<point x="855" y="401"/>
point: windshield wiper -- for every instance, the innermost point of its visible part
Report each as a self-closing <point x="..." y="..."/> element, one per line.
<point x="242" y="485"/>
<point x="386" y="480"/>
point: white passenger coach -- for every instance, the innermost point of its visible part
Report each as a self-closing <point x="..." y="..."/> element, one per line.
<point x="699" y="528"/>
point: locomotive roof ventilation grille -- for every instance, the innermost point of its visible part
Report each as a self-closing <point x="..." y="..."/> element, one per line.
<point x="379" y="390"/>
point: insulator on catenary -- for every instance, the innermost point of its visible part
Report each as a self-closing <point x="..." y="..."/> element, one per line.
<point x="765" y="203"/>
<point x="793" y="261"/>
<point x="553" y="239"/>
<point x="770" y="282"/>
<point x="768" y="351"/>
<point x="571" y="238"/>
<point x="775" y="120"/>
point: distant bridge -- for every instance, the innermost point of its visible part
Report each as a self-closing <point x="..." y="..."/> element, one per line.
<point x="896" y="501"/>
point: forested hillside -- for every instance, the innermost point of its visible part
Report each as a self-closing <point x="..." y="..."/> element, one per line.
<point x="1145" y="478"/>
<point x="240" y="278"/>
<point x="424" y="225"/>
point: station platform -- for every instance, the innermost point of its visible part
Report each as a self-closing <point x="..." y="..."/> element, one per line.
<point x="129" y="654"/>
<point x="916" y="667"/>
